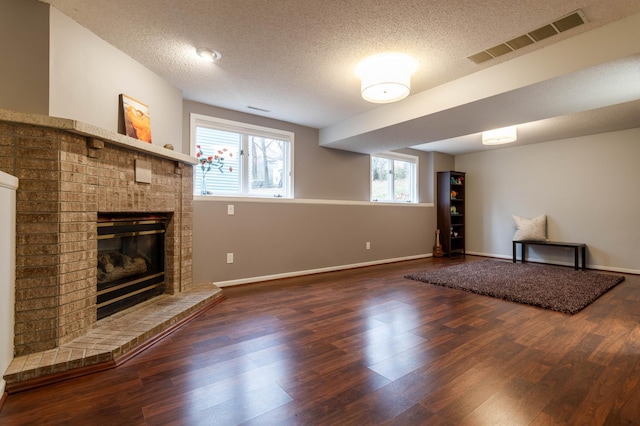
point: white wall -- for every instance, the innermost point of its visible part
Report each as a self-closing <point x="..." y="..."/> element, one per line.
<point x="586" y="186"/>
<point x="87" y="75"/>
<point x="8" y="185"/>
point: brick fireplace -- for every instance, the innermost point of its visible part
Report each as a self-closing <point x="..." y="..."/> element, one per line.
<point x="69" y="174"/>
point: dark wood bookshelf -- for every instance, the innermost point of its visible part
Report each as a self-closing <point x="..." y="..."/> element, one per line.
<point x="451" y="211"/>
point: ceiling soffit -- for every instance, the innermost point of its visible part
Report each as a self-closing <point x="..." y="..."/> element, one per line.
<point x="594" y="69"/>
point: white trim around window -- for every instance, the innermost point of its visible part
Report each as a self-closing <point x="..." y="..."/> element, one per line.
<point x="241" y="159"/>
<point x="394" y="178"/>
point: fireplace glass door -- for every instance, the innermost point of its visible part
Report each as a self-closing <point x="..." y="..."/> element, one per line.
<point x="130" y="266"/>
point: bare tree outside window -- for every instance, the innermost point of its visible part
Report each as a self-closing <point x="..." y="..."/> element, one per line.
<point x="266" y="157"/>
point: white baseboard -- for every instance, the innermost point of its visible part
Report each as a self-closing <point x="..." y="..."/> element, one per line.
<point x="251" y="280"/>
<point x="538" y="260"/>
<point x="317" y="271"/>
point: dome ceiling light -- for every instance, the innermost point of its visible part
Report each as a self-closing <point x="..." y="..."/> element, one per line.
<point x="500" y="136"/>
<point x="386" y="77"/>
<point x="207" y="54"/>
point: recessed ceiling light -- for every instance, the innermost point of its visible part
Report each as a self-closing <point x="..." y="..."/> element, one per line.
<point x="208" y="54"/>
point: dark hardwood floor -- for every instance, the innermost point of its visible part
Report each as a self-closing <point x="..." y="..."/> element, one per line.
<point x="367" y="346"/>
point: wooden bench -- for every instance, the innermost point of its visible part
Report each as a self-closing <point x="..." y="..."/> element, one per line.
<point x="574" y="246"/>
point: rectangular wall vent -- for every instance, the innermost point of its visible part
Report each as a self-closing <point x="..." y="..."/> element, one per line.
<point x="565" y="23"/>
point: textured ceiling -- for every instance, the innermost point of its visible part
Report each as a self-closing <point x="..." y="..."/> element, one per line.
<point x="296" y="58"/>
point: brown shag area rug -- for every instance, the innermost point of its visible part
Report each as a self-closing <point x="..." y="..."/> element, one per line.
<point x="552" y="287"/>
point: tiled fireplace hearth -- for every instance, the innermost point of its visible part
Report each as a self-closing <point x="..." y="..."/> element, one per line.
<point x="69" y="174"/>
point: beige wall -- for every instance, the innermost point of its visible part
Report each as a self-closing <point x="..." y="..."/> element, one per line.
<point x="327" y="225"/>
<point x="24" y="49"/>
<point x="441" y="163"/>
<point x="279" y="238"/>
<point x="586" y="186"/>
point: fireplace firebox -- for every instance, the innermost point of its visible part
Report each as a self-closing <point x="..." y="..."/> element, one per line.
<point x="131" y="261"/>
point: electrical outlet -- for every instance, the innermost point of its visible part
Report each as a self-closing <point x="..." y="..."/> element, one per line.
<point x="229" y="257"/>
<point x="230" y="210"/>
<point x="368" y="245"/>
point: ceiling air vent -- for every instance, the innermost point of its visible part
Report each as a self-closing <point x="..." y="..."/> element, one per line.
<point x="570" y="21"/>
<point x="481" y="57"/>
<point x="565" y="23"/>
<point x="258" y="108"/>
<point x="543" y="32"/>
<point x="499" y="50"/>
<point x="520" y="42"/>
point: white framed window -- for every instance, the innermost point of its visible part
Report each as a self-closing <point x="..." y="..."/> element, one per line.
<point x="394" y="178"/>
<point x="239" y="159"/>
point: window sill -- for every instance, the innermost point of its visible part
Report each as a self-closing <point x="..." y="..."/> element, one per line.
<point x="215" y="198"/>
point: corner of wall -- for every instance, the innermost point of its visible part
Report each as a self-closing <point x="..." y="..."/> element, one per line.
<point x="8" y="186"/>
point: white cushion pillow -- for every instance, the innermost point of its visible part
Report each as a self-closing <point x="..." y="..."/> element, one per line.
<point x="530" y="229"/>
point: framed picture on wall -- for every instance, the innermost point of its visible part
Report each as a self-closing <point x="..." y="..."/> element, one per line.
<point x="134" y="119"/>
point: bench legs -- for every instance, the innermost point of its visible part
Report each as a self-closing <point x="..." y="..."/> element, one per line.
<point x="576" y="255"/>
<point x="584" y="257"/>
<point x="524" y="251"/>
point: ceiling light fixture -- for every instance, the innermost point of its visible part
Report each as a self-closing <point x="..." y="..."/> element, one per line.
<point x="208" y="54"/>
<point x="499" y="136"/>
<point x="386" y="77"/>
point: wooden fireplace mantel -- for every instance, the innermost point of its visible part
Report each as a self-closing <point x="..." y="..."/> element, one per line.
<point x="94" y="132"/>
